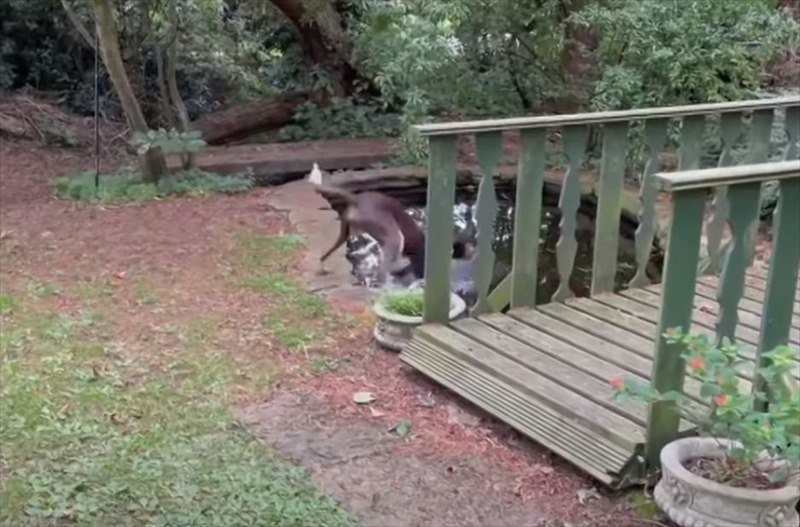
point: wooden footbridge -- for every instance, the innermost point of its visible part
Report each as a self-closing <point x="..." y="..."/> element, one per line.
<point x="545" y="367"/>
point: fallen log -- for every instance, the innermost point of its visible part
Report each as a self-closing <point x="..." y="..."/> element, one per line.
<point x="278" y="163"/>
<point x="239" y="122"/>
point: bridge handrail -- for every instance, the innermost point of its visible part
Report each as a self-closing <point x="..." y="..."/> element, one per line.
<point x="548" y="121"/>
<point x="689" y="190"/>
<point x="710" y="178"/>
<point x="518" y="288"/>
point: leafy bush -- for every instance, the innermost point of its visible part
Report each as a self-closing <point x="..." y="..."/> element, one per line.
<point x="343" y="118"/>
<point x="656" y="53"/>
<point x="169" y="141"/>
<point x="733" y="413"/>
<point x="127" y="186"/>
<point x="406" y="303"/>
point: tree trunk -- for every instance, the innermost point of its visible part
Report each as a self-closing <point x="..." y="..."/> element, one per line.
<point x="172" y="80"/>
<point x="248" y="119"/>
<point x="325" y="42"/>
<point x="161" y="81"/>
<point x="153" y="164"/>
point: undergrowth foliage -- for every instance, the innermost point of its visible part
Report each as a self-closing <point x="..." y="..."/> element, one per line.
<point x="733" y="411"/>
<point x="127" y="186"/>
<point x="407" y="303"/>
<point x="92" y="436"/>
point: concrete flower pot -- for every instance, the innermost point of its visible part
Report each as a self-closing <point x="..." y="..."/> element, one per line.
<point x="692" y="501"/>
<point x="393" y="331"/>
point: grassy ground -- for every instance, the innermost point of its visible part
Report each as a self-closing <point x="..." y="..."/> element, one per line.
<point x="95" y="435"/>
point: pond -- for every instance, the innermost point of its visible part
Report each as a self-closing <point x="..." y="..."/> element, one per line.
<point x="362" y="252"/>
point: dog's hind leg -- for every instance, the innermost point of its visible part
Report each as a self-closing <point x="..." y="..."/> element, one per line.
<point x="344" y="232"/>
<point x="392" y="260"/>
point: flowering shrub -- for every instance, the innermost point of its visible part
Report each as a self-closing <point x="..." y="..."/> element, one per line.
<point x="734" y="414"/>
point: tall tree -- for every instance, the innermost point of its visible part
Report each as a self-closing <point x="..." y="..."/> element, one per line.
<point x="153" y="164"/>
<point x="325" y="41"/>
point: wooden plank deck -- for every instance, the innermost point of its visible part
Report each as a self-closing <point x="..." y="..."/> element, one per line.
<point x="546" y="371"/>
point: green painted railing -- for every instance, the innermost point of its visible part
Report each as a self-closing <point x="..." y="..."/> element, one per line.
<point x="689" y="190"/>
<point x="518" y="289"/>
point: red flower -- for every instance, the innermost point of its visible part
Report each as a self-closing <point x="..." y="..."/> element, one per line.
<point x="617" y="384"/>
<point x="721" y="400"/>
<point x="697" y="364"/>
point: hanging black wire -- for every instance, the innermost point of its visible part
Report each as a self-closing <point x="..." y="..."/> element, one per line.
<point x="96" y="111"/>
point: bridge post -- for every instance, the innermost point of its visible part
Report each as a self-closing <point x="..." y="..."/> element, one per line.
<point x="439" y="232"/>
<point x="680" y="274"/>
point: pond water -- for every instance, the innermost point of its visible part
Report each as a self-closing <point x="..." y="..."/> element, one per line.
<point x="362" y="252"/>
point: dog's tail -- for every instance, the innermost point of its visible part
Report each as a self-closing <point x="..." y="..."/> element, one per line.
<point x="315" y="178"/>
<point x="345" y="195"/>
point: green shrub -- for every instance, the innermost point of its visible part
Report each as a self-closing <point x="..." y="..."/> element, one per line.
<point x="126" y="186"/>
<point x="656" y="53"/>
<point x="406" y="303"/>
<point x="343" y="118"/>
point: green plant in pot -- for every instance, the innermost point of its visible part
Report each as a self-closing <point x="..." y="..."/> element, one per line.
<point x="744" y="469"/>
<point x="399" y="312"/>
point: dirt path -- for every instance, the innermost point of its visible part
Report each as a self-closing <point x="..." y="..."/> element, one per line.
<point x="456" y="466"/>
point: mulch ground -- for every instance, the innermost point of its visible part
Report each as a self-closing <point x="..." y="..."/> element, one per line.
<point x="182" y="247"/>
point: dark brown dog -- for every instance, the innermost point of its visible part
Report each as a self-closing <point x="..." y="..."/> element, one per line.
<point x="401" y="241"/>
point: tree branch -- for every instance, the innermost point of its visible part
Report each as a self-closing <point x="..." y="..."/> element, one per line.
<point x="73" y="17"/>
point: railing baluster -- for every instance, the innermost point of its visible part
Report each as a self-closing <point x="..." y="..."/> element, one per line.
<point x="691" y="150"/>
<point x="609" y="207"/>
<point x="489" y="150"/>
<point x="792" y="124"/>
<point x="575" y="138"/>
<point x="527" y="217"/>
<point x="730" y="129"/>
<point x="744" y="204"/>
<point x="758" y="152"/>
<point x="439" y="235"/>
<point x="680" y="273"/>
<point x="655" y="133"/>
<point x="776" y="320"/>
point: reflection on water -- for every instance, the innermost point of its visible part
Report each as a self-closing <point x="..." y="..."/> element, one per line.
<point x="362" y="252"/>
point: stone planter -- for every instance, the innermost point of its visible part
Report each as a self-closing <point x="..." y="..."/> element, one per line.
<point x="392" y="331"/>
<point x="692" y="501"/>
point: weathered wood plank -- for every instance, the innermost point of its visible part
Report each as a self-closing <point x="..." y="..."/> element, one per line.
<point x="758" y="272"/>
<point x="751" y="293"/>
<point x="655" y="133"/>
<point x="643" y="328"/>
<point x="575" y="138"/>
<point x="548" y="121"/>
<point x="590" y="451"/>
<point x="744" y="206"/>
<point x="710" y="294"/>
<point x="730" y="129"/>
<point x="783" y="270"/>
<point x="745" y="303"/>
<point x="700" y="320"/>
<point x="439" y="237"/>
<point x="491" y="331"/>
<point x="527" y="217"/>
<point x="707" y="306"/>
<point x="489" y="150"/>
<point x="680" y="273"/>
<point x="639" y="342"/>
<point x="597" y="418"/>
<point x="609" y="207"/>
<point x="756" y="282"/>
<point x="612" y="358"/>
